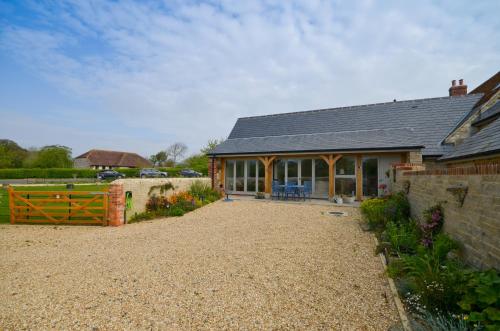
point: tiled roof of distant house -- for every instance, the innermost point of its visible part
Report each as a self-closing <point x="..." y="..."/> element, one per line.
<point x="98" y="157"/>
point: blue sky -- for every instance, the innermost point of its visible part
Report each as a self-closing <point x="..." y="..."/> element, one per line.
<point x="140" y="75"/>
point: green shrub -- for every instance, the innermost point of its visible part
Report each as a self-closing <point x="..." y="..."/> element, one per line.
<point x="22" y="173"/>
<point x="397" y="208"/>
<point x="203" y="191"/>
<point x="437" y="281"/>
<point x="379" y="211"/>
<point x="481" y="299"/>
<point x="176" y="211"/>
<point x="373" y="211"/>
<point x="440" y="322"/>
<point x="403" y="237"/>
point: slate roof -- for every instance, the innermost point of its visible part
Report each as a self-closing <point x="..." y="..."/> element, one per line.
<point x="485" y="142"/>
<point x="489" y="114"/>
<point x="98" y="157"/>
<point x="391" y="125"/>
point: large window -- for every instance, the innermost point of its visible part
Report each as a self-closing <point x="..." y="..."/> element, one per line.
<point x="251" y="175"/>
<point x="240" y="175"/>
<point x="229" y="175"/>
<point x="345" y="176"/>
<point x="370" y="177"/>
<point x="321" y="177"/>
<point x="262" y="173"/>
<point x="293" y="172"/>
<point x="306" y="170"/>
<point x="279" y="171"/>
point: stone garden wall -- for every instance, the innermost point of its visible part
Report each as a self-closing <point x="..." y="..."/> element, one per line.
<point x="140" y="189"/>
<point x="474" y="220"/>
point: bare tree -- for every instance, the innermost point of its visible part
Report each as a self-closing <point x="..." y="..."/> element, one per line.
<point x="176" y="151"/>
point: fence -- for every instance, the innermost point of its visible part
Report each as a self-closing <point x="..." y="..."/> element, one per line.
<point x="62" y="207"/>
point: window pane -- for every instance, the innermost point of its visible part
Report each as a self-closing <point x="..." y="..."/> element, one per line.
<point x="306" y="170"/>
<point x="279" y="171"/>
<point x="370" y="177"/>
<point x="240" y="175"/>
<point x="345" y="186"/>
<point x="293" y="171"/>
<point x="262" y="174"/>
<point x="229" y="175"/>
<point x="251" y="174"/>
<point x="345" y="166"/>
<point x="321" y="180"/>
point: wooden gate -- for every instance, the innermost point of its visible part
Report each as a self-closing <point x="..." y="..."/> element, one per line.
<point x="64" y="207"/>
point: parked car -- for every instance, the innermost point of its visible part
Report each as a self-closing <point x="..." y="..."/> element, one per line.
<point x="190" y="173"/>
<point x="110" y="174"/>
<point x="150" y="173"/>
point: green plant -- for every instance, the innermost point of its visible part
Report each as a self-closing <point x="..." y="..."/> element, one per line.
<point x="203" y="191"/>
<point x="436" y="280"/>
<point x="481" y="299"/>
<point x="433" y="223"/>
<point x="176" y="211"/>
<point x="163" y="188"/>
<point x="397" y="208"/>
<point x="441" y="322"/>
<point x="403" y="237"/>
<point x="260" y="195"/>
<point x="373" y="211"/>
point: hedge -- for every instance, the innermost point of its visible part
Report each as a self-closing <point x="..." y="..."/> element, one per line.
<point x="23" y="173"/>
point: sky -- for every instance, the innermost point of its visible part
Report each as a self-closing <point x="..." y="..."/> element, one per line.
<point x="140" y="75"/>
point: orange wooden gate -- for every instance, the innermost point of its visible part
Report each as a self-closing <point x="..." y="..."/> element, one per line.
<point x="64" y="207"/>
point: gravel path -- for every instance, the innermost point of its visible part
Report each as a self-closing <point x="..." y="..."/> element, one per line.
<point x="238" y="265"/>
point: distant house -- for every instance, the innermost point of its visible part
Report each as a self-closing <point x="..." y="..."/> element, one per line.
<point x="101" y="159"/>
<point x="350" y="150"/>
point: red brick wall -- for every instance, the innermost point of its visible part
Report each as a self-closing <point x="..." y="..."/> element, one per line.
<point x="213" y="174"/>
<point x="116" y="210"/>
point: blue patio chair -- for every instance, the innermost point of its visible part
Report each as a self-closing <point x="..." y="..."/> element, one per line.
<point x="307" y="190"/>
<point x="276" y="189"/>
<point x="290" y="189"/>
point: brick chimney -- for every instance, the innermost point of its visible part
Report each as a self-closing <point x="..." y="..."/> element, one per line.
<point x="456" y="90"/>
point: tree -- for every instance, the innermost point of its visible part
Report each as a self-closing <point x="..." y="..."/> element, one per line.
<point x="55" y="156"/>
<point x="176" y="151"/>
<point x="211" y="144"/>
<point x="11" y="154"/>
<point x="159" y="159"/>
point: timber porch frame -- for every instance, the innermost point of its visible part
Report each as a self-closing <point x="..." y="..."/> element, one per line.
<point x="329" y="158"/>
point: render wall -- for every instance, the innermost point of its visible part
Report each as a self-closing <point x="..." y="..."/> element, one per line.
<point x="476" y="223"/>
<point x="140" y="189"/>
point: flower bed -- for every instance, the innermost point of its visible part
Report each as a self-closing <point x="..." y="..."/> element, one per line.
<point x="439" y="290"/>
<point x="177" y="204"/>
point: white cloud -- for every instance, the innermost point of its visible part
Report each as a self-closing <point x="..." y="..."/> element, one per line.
<point x="185" y="71"/>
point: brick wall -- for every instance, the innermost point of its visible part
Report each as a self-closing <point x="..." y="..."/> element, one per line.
<point x="476" y="223"/>
<point x="116" y="205"/>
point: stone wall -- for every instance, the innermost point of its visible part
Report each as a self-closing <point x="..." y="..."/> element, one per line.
<point x="476" y="223"/>
<point x="140" y="189"/>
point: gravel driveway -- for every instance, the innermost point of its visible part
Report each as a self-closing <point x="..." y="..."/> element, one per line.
<point x="238" y="265"/>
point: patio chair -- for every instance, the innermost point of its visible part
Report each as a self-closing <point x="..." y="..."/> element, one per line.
<point x="290" y="189"/>
<point x="307" y="190"/>
<point x="276" y="189"/>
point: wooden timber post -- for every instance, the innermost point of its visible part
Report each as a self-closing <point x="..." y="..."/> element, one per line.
<point x="222" y="173"/>
<point x="11" y="204"/>
<point x="268" y="172"/>
<point x="330" y="160"/>
<point x="359" y="178"/>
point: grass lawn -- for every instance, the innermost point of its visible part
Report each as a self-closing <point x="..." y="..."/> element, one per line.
<point x="4" y="197"/>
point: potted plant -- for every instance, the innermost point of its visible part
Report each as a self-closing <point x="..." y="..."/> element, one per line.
<point x="382" y="190"/>
<point x="348" y="198"/>
<point x="260" y="195"/>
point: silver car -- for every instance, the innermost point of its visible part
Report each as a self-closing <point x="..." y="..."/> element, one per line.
<point x="152" y="173"/>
